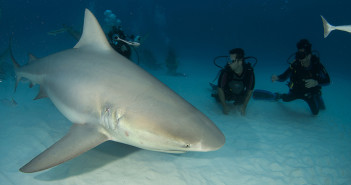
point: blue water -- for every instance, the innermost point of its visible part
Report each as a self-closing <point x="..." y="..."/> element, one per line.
<point x="200" y="31"/>
<point x="266" y="29"/>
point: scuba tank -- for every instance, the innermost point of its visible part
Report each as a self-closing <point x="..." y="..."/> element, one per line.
<point x="227" y="59"/>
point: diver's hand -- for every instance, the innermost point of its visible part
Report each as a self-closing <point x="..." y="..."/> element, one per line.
<point x="309" y="83"/>
<point x="274" y="78"/>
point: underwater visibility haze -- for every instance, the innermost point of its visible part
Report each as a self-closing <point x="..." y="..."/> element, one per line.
<point x="274" y="143"/>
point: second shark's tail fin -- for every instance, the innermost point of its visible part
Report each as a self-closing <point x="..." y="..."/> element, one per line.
<point x="327" y="27"/>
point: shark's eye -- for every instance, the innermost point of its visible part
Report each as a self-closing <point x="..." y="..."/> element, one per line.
<point x="187" y="146"/>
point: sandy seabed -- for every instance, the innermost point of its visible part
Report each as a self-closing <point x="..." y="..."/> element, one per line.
<point x="275" y="143"/>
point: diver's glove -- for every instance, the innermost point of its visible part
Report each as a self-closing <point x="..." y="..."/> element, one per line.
<point x="309" y="83"/>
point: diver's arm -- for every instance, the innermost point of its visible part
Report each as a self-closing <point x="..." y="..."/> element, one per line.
<point x="285" y="75"/>
<point x="250" y="87"/>
<point x="246" y="101"/>
<point x="323" y="77"/>
<point x="221" y="97"/>
<point x="222" y="80"/>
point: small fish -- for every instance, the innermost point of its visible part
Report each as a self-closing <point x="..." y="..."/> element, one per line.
<point x="59" y="31"/>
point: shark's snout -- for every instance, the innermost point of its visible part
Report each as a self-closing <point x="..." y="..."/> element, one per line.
<point x="212" y="143"/>
<point x="212" y="139"/>
<point x="197" y="133"/>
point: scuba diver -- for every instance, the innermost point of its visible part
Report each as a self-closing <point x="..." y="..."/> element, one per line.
<point x="172" y="64"/>
<point x="307" y="76"/>
<point x="236" y="82"/>
<point x="119" y="42"/>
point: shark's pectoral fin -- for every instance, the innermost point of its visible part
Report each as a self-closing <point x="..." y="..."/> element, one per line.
<point x="78" y="140"/>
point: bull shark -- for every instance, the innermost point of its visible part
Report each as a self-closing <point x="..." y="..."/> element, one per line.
<point x="108" y="97"/>
<point x="329" y="28"/>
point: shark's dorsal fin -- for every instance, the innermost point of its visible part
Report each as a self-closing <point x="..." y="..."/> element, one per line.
<point x="80" y="138"/>
<point x="92" y="36"/>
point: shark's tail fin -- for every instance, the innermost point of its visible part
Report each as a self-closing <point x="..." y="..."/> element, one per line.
<point x="327" y="27"/>
<point x="16" y="65"/>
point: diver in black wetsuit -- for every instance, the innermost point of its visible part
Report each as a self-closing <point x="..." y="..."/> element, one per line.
<point x="236" y="81"/>
<point x="121" y="47"/>
<point x="307" y="75"/>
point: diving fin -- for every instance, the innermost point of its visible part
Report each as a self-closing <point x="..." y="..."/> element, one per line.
<point x="265" y="95"/>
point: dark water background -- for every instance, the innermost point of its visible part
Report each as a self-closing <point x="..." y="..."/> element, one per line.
<point x="199" y="30"/>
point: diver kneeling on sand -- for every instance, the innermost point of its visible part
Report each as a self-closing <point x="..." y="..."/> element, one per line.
<point x="236" y="81"/>
<point x="307" y="76"/>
